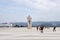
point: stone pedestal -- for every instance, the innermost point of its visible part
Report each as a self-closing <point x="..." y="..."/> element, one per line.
<point x="29" y="22"/>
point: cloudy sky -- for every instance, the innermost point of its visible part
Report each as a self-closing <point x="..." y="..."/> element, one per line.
<point x="39" y="10"/>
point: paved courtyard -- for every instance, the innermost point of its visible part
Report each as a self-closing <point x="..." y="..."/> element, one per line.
<point x="29" y="34"/>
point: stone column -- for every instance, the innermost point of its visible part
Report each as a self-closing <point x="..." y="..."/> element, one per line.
<point x="29" y="22"/>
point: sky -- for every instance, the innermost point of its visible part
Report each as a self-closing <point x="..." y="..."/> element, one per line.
<point x="39" y="10"/>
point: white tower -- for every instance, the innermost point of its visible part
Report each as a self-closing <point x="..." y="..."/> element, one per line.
<point x="29" y="22"/>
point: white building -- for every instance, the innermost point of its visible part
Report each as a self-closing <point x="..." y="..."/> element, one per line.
<point x="5" y="25"/>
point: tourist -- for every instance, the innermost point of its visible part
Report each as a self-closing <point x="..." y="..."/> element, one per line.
<point x="54" y="29"/>
<point x="37" y="28"/>
<point x="41" y="28"/>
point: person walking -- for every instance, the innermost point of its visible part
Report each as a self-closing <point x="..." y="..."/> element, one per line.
<point x="37" y="28"/>
<point x="54" y="29"/>
<point x="41" y="28"/>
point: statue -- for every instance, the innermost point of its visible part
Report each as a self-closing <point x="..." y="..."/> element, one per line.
<point x="29" y="22"/>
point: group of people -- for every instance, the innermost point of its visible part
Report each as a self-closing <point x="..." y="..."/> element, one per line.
<point x="42" y="27"/>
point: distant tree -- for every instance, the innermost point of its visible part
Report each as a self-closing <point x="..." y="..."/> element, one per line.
<point x="16" y="26"/>
<point x="21" y="26"/>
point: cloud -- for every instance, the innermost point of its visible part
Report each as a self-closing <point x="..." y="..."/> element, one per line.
<point x="40" y="10"/>
<point x="38" y="4"/>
